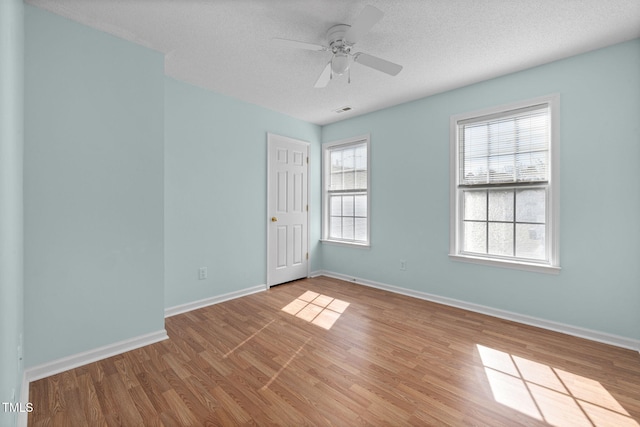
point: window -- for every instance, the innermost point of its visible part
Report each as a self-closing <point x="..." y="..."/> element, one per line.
<point x="345" y="182"/>
<point x="504" y="186"/>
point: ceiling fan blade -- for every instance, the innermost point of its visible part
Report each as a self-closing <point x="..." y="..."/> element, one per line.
<point x="377" y="63"/>
<point x="367" y="19"/>
<point x="300" y="45"/>
<point x="325" y="76"/>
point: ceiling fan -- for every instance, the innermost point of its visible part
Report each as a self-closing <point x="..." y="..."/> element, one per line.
<point x="341" y="39"/>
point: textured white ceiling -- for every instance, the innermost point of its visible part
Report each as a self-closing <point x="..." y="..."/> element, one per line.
<point x="225" y="45"/>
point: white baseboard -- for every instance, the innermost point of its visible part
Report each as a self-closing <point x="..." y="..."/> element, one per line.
<point x="589" y="334"/>
<point x="70" y="362"/>
<point x="183" y="308"/>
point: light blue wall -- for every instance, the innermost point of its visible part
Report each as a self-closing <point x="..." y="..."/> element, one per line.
<point x="599" y="286"/>
<point x="93" y="189"/>
<point x="11" y="222"/>
<point x="215" y="191"/>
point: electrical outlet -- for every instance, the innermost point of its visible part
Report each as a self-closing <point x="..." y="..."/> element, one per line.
<point x="403" y="264"/>
<point x="202" y="273"/>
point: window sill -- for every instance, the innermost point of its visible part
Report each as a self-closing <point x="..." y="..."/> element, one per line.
<point x="342" y="243"/>
<point x="538" y="268"/>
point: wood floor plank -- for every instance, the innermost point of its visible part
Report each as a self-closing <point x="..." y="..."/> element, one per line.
<point x="388" y="359"/>
<point x="89" y="399"/>
<point x="153" y="388"/>
<point x="144" y="407"/>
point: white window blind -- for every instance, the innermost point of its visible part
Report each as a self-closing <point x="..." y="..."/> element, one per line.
<point x="511" y="149"/>
<point x="348" y="168"/>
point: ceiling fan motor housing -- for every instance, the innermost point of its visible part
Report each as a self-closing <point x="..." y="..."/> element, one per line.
<point x="335" y="36"/>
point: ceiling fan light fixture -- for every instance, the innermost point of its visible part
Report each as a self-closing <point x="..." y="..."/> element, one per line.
<point x="339" y="63"/>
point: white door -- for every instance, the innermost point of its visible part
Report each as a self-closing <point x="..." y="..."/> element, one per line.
<point x="287" y="209"/>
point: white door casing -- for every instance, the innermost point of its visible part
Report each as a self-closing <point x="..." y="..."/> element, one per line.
<point x="287" y="209"/>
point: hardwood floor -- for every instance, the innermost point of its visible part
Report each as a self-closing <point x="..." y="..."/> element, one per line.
<point x="358" y="356"/>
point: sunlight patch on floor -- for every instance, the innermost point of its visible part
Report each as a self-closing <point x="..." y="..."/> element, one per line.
<point x="246" y="340"/>
<point x="320" y="310"/>
<point x="287" y="363"/>
<point x="549" y="394"/>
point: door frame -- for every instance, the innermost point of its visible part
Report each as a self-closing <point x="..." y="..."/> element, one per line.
<point x="267" y="218"/>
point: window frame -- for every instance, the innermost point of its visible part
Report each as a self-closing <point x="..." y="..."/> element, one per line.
<point x="327" y="147"/>
<point x="552" y="207"/>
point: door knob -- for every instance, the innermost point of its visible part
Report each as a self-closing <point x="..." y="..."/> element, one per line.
<point x="274" y="219"/>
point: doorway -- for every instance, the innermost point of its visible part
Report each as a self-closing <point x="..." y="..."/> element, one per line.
<point x="287" y="209"/>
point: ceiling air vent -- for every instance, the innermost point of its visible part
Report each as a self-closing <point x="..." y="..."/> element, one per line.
<point x="343" y="110"/>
